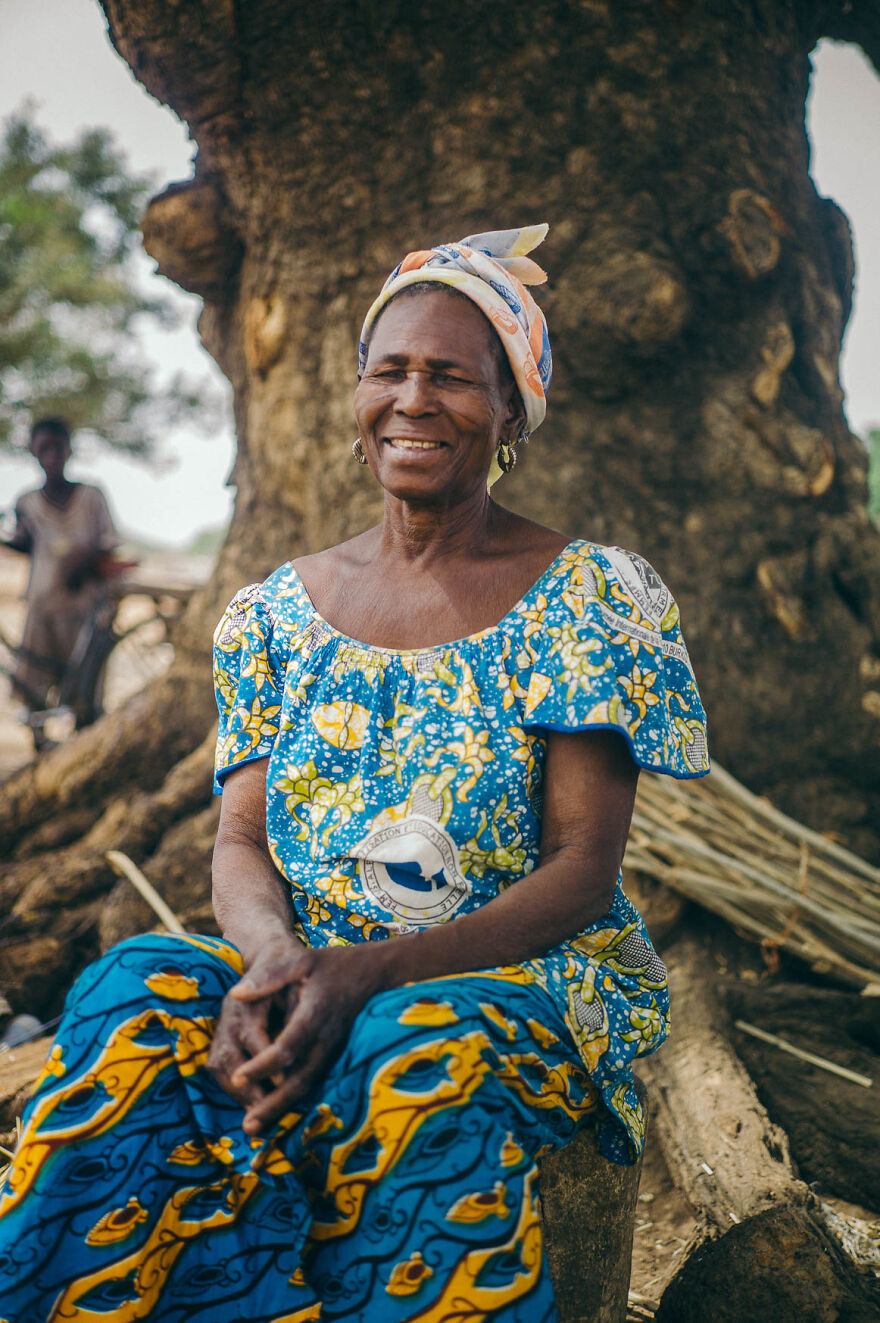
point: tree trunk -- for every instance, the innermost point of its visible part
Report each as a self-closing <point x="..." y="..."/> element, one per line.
<point x="699" y="292"/>
<point x="763" y="1247"/>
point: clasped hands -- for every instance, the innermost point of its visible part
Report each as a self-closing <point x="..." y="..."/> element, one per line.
<point x="285" y="1022"/>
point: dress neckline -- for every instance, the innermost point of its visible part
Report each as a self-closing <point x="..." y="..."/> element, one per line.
<point x="436" y="647"/>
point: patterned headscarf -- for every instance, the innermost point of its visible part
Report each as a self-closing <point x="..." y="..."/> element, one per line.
<point x="493" y="270"/>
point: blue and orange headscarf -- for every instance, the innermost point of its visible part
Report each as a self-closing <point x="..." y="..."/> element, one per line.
<point x="493" y="270"/>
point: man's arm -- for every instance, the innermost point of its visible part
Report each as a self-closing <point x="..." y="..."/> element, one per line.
<point x="21" y="538"/>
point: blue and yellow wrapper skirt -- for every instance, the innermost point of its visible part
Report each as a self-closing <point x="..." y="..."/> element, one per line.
<point x="405" y="1189"/>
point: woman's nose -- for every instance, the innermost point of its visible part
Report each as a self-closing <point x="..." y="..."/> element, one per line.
<point x="415" y="395"/>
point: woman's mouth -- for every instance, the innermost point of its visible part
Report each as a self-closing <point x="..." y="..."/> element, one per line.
<point x="409" y="443"/>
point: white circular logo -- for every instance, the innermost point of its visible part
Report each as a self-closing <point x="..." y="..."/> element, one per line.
<point x="411" y="868"/>
<point x="642" y="581"/>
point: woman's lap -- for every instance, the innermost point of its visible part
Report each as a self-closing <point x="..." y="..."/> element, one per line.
<point x="408" y="1178"/>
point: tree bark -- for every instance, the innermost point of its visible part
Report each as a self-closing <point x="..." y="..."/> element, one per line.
<point x="588" y="1208"/>
<point x="763" y="1248"/>
<point x="699" y="291"/>
<point x="832" y="1124"/>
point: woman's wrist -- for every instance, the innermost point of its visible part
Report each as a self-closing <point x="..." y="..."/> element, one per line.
<point x="269" y="937"/>
<point x="395" y="962"/>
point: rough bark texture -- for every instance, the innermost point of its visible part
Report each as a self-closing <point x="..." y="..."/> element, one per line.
<point x="588" y="1209"/>
<point x="832" y="1124"/>
<point x="763" y="1248"/>
<point x="699" y="293"/>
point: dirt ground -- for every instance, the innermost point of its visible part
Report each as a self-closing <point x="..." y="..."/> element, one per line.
<point x="664" y="1225"/>
<point x="134" y="662"/>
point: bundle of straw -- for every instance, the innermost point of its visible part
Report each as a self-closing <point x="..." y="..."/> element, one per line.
<point x="774" y="879"/>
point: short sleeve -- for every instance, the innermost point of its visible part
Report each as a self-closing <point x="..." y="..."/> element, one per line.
<point x="248" y="683"/>
<point x="610" y="655"/>
<point x="22" y="535"/>
<point x="106" y="536"/>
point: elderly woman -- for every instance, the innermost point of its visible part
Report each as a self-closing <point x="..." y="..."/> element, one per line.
<point x="429" y="976"/>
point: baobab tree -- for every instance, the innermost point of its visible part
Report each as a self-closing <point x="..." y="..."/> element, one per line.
<point x="698" y="296"/>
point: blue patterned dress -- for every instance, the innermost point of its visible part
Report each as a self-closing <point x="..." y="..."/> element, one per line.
<point x="404" y="788"/>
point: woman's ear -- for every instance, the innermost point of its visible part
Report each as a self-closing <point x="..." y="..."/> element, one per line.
<point x="515" y="416"/>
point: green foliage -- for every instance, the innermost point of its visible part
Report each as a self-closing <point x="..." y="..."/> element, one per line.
<point x="208" y="542"/>
<point x="873" y="444"/>
<point x="69" y="299"/>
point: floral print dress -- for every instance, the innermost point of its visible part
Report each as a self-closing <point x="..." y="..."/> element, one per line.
<point x="404" y="786"/>
<point x="403" y="789"/>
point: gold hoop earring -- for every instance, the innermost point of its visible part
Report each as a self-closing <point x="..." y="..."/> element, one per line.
<point x="506" y="456"/>
<point x="358" y="451"/>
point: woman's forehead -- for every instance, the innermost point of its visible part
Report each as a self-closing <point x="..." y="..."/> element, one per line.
<point x="432" y="324"/>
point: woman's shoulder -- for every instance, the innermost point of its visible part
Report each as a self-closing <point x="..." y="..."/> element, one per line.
<point x="277" y="603"/>
<point x="614" y="577"/>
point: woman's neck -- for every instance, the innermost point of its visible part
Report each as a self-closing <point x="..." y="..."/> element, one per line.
<point x="416" y="532"/>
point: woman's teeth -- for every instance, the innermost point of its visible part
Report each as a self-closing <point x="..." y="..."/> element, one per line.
<point x="405" y="443"/>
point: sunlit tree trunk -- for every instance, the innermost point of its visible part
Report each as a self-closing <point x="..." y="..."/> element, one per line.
<point x="699" y="292"/>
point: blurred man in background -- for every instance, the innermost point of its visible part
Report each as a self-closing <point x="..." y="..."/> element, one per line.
<point x="66" y="529"/>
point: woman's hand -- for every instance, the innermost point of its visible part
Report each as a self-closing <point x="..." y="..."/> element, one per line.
<point x="244" y="1029"/>
<point x="321" y="996"/>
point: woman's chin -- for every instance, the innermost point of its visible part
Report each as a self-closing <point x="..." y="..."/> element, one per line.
<point x="411" y="475"/>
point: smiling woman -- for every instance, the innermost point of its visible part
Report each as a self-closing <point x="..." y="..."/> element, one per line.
<point x="433" y="396"/>
<point x="430" y="738"/>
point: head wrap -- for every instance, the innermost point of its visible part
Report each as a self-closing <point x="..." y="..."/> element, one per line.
<point x="493" y="270"/>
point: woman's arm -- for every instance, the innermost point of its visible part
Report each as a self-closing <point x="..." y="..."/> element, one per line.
<point x="250" y="897"/>
<point x="589" y="792"/>
<point x="253" y="910"/>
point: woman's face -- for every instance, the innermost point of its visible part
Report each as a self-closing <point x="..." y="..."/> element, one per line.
<point x="432" y="405"/>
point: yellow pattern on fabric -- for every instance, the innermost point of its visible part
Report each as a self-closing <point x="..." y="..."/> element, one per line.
<point x="173" y="986"/>
<point x="463" y="1299"/>
<point x="325" y="801"/>
<point x="477" y="1207"/>
<point x="511" y="1152"/>
<point x="499" y="1019"/>
<point x="394" y="1118"/>
<point x="117" y="1224"/>
<point x="507" y="853"/>
<point x="123" y="1071"/>
<point x="344" y="725"/>
<point x="409" y="1276"/>
<point x="543" y="1036"/>
<point x="426" y="1012"/>
<point x="152" y="1261"/>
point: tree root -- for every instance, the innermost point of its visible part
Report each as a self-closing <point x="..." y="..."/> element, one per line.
<point x="763" y="1248"/>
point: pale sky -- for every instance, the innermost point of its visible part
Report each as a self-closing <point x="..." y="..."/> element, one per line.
<point x="57" y="53"/>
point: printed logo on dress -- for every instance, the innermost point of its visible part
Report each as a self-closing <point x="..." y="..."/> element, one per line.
<point x="412" y="870"/>
<point x="641" y="580"/>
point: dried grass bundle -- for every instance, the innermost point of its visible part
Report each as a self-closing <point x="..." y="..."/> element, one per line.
<point x="776" y="880"/>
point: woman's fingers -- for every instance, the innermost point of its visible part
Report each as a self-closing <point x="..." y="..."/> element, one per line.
<point x="292" y="1090"/>
<point x="294" y="1041"/>
<point x="272" y="974"/>
<point x="256" y="987"/>
<point x="241" y="1034"/>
